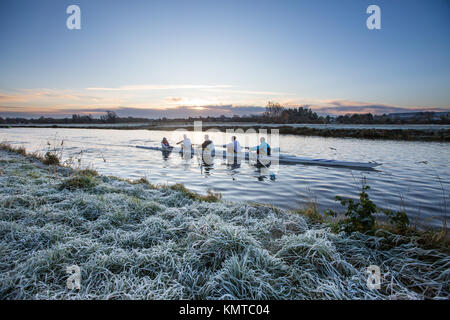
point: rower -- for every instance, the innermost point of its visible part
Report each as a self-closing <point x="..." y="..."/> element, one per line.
<point x="262" y="150"/>
<point x="233" y="146"/>
<point x="233" y="151"/>
<point x="208" y="150"/>
<point x="165" y="145"/>
<point x="186" y="145"/>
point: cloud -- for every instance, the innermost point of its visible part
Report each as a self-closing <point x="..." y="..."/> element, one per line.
<point x="150" y="87"/>
<point x="341" y="107"/>
<point x="174" y="112"/>
<point x="183" y="111"/>
<point x="45" y="95"/>
<point x="248" y="92"/>
<point x="174" y="99"/>
<point x="155" y="104"/>
<point x="6" y="98"/>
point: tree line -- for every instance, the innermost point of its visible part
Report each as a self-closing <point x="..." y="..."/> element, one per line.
<point x="274" y="113"/>
<point x="412" y="118"/>
<point x="108" y="117"/>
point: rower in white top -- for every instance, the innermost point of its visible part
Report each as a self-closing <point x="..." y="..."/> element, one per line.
<point x="186" y="146"/>
<point x="233" y="147"/>
<point x="234" y="151"/>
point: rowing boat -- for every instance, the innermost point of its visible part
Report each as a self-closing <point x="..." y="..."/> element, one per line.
<point x="284" y="159"/>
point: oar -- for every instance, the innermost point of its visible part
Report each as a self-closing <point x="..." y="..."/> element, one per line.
<point x="199" y="160"/>
<point x="273" y="149"/>
<point x="272" y="175"/>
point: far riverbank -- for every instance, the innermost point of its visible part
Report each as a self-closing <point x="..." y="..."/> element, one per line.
<point x="377" y="132"/>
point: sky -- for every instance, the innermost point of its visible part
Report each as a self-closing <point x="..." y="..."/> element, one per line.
<point x="157" y="58"/>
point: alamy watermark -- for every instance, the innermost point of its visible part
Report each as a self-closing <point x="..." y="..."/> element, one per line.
<point x="374" y="277"/>
<point x="374" y="20"/>
<point x="74" y="279"/>
<point x="74" y="20"/>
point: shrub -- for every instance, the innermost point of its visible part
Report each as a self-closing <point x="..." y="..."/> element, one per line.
<point x="78" y="182"/>
<point x="21" y="150"/>
<point x="142" y="180"/>
<point x="88" y="172"/>
<point x="398" y="219"/>
<point x="51" y="159"/>
<point x="312" y="212"/>
<point x="360" y="215"/>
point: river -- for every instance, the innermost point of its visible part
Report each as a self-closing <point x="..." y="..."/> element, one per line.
<point x="414" y="176"/>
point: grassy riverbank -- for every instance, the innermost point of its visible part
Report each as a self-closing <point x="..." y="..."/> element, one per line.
<point x="132" y="239"/>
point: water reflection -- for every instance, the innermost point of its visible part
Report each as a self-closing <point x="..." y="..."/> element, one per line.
<point x="206" y="169"/>
<point x="166" y="154"/>
<point x="263" y="173"/>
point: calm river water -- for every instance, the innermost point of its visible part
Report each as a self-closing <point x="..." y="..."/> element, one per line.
<point x="414" y="176"/>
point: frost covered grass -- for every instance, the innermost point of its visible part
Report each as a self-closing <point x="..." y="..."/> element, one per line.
<point x="138" y="241"/>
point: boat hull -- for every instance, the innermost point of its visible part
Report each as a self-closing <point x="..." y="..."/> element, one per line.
<point x="281" y="159"/>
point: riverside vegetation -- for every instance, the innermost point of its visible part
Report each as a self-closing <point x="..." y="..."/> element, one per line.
<point x="135" y="240"/>
<point x="442" y="135"/>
